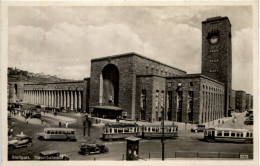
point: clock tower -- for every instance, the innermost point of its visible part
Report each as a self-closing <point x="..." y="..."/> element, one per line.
<point x="217" y="53"/>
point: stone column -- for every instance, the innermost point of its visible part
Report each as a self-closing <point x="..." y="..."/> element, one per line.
<point x="80" y="100"/>
<point x="68" y="99"/>
<point x="71" y="100"/>
<point x="64" y="99"/>
<point x="75" y="100"/>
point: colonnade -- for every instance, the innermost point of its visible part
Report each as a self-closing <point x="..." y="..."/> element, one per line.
<point x="55" y="98"/>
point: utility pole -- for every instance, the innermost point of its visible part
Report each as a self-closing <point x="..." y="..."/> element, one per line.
<point x="162" y="133"/>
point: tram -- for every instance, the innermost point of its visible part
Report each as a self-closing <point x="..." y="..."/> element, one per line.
<point x="115" y="131"/>
<point x="228" y="135"/>
<point x="155" y="131"/>
<point x="112" y="131"/>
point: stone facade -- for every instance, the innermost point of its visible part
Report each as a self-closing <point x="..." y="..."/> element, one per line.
<point x="240" y="101"/>
<point x="195" y="98"/>
<point x="232" y="100"/>
<point x="249" y="103"/>
<point x="217" y="53"/>
<point x="71" y="95"/>
<point x="129" y="66"/>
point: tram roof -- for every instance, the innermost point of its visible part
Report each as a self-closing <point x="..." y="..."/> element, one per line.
<point x="107" y="107"/>
<point x="231" y="129"/>
<point x="118" y="125"/>
<point x="63" y="129"/>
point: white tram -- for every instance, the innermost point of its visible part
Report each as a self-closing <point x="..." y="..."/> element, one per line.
<point x="228" y="135"/>
<point x="120" y="130"/>
<point x="155" y="131"/>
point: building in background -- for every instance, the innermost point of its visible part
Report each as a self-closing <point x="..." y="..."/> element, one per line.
<point x="136" y="87"/>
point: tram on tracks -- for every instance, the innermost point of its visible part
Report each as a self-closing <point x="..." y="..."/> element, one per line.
<point x="228" y="135"/>
<point x="115" y="131"/>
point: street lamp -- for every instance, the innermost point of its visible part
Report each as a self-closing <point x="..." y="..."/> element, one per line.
<point x="162" y="133"/>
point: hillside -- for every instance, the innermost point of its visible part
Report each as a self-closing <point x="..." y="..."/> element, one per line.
<point x="15" y="75"/>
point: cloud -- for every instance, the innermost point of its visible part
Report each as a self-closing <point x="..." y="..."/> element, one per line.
<point x="242" y="72"/>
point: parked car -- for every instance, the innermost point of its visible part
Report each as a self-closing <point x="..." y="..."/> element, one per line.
<point x="87" y="149"/>
<point x="20" y="141"/>
<point x="249" y="121"/>
<point x="53" y="155"/>
<point x="198" y="128"/>
<point x="36" y="115"/>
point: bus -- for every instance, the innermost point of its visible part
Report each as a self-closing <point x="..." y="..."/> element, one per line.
<point x="66" y="134"/>
<point x="155" y="131"/>
<point x="117" y="131"/>
<point x="228" y="135"/>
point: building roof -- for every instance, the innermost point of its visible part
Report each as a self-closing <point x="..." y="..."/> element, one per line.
<point x="133" y="54"/>
<point x="195" y="76"/>
<point x="215" y="19"/>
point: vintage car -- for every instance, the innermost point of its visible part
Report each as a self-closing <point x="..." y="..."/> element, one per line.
<point x="87" y="149"/>
<point x="52" y="155"/>
<point x="36" y="115"/>
<point x="249" y="121"/>
<point x="20" y="141"/>
<point x="198" y="128"/>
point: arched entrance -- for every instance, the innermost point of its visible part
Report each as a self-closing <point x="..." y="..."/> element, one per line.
<point x="109" y="85"/>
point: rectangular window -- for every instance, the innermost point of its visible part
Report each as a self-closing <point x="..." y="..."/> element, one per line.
<point x="226" y="133"/>
<point x="219" y="133"/>
<point x="120" y="130"/>
<point x="153" y="129"/>
<point x="233" y="134"/>
<point x="156" y="98"/>
<point x="126" y="130"/>
<point x="247" y="134"/>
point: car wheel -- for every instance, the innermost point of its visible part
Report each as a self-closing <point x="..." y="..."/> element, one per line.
<point x="86" y="152"/>
<point x="10" y="147"/>
<point x="41" y="138"/>
<point x="68" y="139"/>
<point x="97" y="150"/>
<point x="29" y="144"/>
<point x="106" y="150"/>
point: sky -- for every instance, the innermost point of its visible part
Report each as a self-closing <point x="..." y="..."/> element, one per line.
<point x="62" y="41"/>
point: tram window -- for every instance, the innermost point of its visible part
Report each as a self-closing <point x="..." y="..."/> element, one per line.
<point x="106" y="131"/>
<point x="157" y="129"/>
<point x="126" y="130"/>
<point x="48" y="132"/>
<point x="145" y="129"/>
<point x="153" y="129"/>
<point x="120" y="130"/>
<point x="149" y="129"/>
<point x="115" y="130"/>
<point x="239" y="135"/>
<point x="52" y="132"/>
<point x="233" y="134"/>
<point x="219" y="133"/>
<point x="247" y="134"/>
<point x="110" y="130"/>
<point x="251" y="134"/>
<point x="226" y="133"/>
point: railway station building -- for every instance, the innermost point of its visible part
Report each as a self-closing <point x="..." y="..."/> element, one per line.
<point x="137" y="87"/>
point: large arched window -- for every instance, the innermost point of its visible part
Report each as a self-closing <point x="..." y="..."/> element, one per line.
<point x="109" y="85"/>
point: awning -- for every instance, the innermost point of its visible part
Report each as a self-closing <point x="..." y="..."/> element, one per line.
<point x="107" y="108"/>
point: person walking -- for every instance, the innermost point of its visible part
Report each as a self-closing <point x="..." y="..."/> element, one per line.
<point x="59" y="124"/>
<point x="66" y="124"/>
<point x="42" y="120"/>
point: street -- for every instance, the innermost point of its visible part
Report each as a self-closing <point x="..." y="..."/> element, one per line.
<point x="187" y="141"/>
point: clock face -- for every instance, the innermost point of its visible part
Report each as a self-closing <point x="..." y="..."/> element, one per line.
<point x="213" y="39"/>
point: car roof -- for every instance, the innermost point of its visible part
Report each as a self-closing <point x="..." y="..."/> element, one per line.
<point x="23" y="136"/>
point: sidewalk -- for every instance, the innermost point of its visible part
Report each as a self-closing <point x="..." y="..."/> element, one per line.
<point x="62" y="119"/>
<point x="30" y="121"/>
<point x="181" y="125"/>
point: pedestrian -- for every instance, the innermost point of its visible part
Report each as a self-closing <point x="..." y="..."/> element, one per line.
<point x="27" y="120"/>
<point x="42" y="120"/>
<point x="44" y="112"/>
<point x="222" y="121"/>
<point x="13" y="123"/>
<point x="66" y="124"/>
<point x="59" y="124"/>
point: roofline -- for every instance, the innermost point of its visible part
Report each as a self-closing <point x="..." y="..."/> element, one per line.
<point x="149" y="75"/>
<point x="212" y="19"/>
<point x="56" y="83"/>
<point x="195" y="76"/>
<point x="134" y="54"/>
